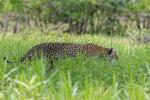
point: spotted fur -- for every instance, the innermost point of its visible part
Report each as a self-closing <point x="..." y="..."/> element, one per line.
<point x="54" y="51"/>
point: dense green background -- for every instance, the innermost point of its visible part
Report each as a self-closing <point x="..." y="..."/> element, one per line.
<point x="82" y="16"/>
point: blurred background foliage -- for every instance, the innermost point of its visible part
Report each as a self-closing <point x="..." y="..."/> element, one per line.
<point x="111" y="17"/>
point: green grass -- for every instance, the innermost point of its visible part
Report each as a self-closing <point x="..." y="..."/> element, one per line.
<point x="75" y="79"/>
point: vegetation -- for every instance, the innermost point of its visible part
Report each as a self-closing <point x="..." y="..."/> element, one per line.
<point x="79" y="78"/>
<point x="112" y="17"/>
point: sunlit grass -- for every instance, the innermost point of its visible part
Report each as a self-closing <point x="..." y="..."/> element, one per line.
<point x="75" y="78"/>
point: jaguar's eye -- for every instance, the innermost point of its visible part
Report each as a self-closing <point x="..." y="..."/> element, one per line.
<point x="110" y="51"/>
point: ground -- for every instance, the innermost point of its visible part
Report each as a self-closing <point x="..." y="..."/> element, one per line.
<point x="86" y="79"/>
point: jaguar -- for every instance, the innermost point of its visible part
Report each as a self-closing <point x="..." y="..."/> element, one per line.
<point x="55" y="50"/>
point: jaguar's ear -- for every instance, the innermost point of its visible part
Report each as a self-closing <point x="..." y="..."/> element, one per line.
<point x="111" y="51"/>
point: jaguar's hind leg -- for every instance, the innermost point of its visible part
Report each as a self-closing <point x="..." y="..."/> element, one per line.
<point x="49" y="65"/>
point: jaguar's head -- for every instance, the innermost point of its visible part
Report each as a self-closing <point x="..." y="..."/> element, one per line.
<point x="112" y="55"/>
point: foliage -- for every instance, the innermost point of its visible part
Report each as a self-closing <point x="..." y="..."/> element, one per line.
<point x="139" y="6"/>
<point x="82" y="16"/>
<point x="11" y="5"/>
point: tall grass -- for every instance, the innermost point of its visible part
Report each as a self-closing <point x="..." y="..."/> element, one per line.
<point x="75" y="78"/>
